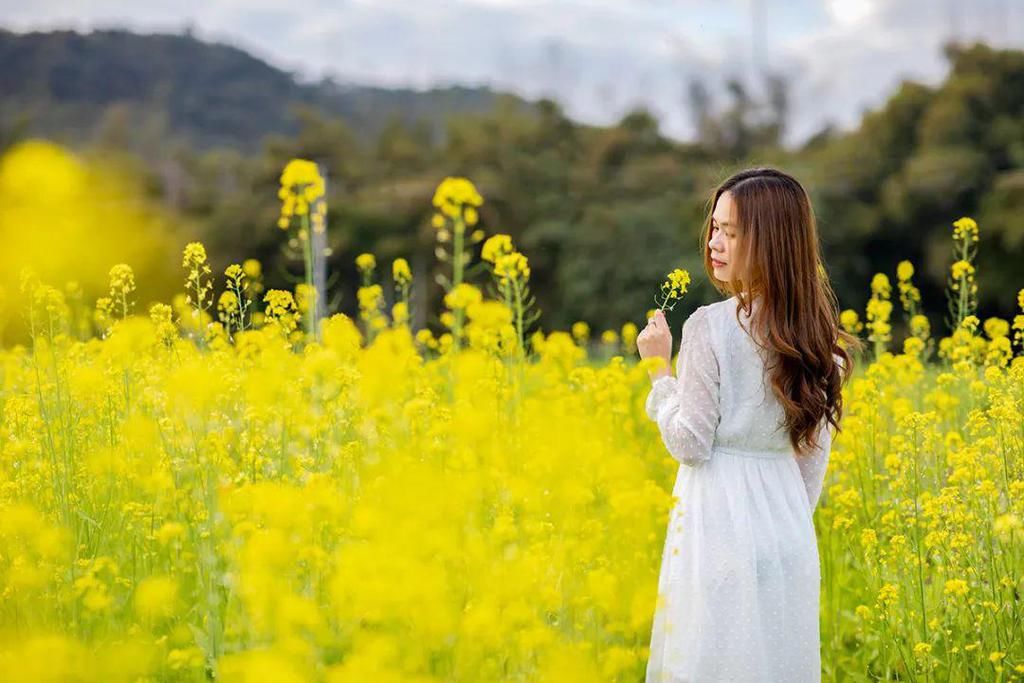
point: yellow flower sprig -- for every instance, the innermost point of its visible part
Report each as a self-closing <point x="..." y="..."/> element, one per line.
<point x="910" y="296"/>
<point x="122" y="284"/>
<point x="301" y="187"/>
<point x="878" y="313"/>
<point x="1018" y="322"/>
<point x="234" y="302"/>
<point x="673" y="288"/>
<point x="370" y="296"/>
<point x="456" y="200"/>
<point x="302" y="196"/>
<point x="166" y="331"/>
<point x="402" y="276"/>
<point x="511" y="272"/>
<point x="198" y="287"/>
<point x="282" y="312"/>
<point x="962" y="289"/>
<point x="365" y="264"/>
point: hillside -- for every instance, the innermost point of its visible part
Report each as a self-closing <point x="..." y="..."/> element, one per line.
<point x="72" y="86"/>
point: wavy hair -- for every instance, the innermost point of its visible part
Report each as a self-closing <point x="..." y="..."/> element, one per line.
<point x="797" y="319"/>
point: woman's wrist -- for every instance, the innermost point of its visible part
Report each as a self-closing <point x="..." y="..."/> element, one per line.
<point x="658" y="374"/>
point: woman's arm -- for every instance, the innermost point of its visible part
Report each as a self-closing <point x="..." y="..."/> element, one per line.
<point x="686" y="407"/>
<point x="814" y="465"/>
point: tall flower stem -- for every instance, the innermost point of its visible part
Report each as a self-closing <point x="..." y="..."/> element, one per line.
<point x="459" y="240"/>
<point x="312" y="296"/>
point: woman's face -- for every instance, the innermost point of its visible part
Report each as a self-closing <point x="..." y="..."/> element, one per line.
<point x="724" y="242"/>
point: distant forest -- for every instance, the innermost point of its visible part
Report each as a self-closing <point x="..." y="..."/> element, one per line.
<point x="601" y="212"/>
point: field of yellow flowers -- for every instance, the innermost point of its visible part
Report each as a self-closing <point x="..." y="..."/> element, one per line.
<point x="215" y="488"/>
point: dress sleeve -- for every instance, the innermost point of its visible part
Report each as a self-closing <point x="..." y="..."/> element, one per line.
<point x="686" y="407"/>
<point x="814" y="465"/>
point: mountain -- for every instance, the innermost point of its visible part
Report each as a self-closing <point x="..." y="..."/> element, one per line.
<point x="71" y="86"/>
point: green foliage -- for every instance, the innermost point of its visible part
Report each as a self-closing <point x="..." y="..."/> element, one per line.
<point x="602" y="213"/>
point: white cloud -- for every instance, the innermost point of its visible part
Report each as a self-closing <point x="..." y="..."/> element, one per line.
<point x="600" y="57"/>
<point x="857" y="61"/>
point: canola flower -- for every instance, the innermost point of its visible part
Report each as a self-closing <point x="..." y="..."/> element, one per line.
<point x="198" y="286"/>
<point x="371" y="302"/>
<point x="878" y="313"/>
<point x="166" y="331"/>
<point x="365" y="263"/>
<point x="71" y="216"/>
<point x="510" y="270"/>
<point x="301" y="187"/>
<point x="118" y="305"/>
<point x="850" y="321"/>
<point x="456" y="201"/>
<point x="3" y="311"/>
<point x="253" y="270"/>
<point x="961" y="287"/>
<point x="628" y="334"/>
<point x="463" y="296"/>
<point x="673" y="288"/>
<point x="965" y="230"/>
<point x="401" y="275"/>
<point x="404" y="509"/>
<point x="1018" y="322"/>
<point x="580" y="332"/>
<point x="234" y="302"/>
<point x="282" y="312"/>
<point x="910" y="295"/>
<point x="370" y="296"/>
<point x="122" y="285"/>
<point x="919" y="342"/>
<point x="302" y="195"/>
<point x="400" y="272"/>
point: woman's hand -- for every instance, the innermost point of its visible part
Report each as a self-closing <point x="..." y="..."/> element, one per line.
<point x="655" y="340"/>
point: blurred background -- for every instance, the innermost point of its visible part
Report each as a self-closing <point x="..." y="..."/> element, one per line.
<point x="595" y="132"/>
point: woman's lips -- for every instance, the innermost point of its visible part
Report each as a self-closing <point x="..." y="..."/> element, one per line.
<point x="716" y="262"/>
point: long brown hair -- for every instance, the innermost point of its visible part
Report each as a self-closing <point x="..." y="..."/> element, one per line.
<point x="798" y="316"/>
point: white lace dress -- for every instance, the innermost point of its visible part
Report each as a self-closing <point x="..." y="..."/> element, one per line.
<point x="740" y="575"/>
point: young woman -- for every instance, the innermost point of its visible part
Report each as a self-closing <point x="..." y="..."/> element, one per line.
<point x="757" y="387"/>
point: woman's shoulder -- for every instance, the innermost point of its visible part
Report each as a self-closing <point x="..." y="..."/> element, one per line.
<point x="705" y="321"/>
<point x="716" y="309"/>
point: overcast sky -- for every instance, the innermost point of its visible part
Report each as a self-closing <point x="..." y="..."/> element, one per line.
<point x="599" y="57"/>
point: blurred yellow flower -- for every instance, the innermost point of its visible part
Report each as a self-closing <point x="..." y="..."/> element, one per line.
<point x="400" y="271"/>
<point x="155" y="597"/>
<point x="961" y="269"/>
<point x="366" y="262"/>
<point x="252" y="268"/>
<point x="495" y="246"/>
<point x="301" y="187"/>
<point x="956" y="587"/>
<point x="462" y="295"/>
<point x="965" y="229"/>
<point x="456" y="192"/>
<point x="850" y="321"/>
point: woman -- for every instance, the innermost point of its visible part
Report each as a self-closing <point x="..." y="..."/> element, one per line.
<point x="758" y="383"/>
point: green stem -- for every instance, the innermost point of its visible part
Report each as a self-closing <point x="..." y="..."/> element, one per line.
<point x="311" y="304"/>
<point x="460" y="228"/>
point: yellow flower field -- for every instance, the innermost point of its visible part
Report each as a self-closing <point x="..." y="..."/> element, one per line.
<point x="203" y="490"/>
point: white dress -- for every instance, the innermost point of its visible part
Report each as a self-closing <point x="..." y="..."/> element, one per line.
<point x="738" y="592"/>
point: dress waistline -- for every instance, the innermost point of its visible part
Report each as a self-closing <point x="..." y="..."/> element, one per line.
<point x="753" y="453"/>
